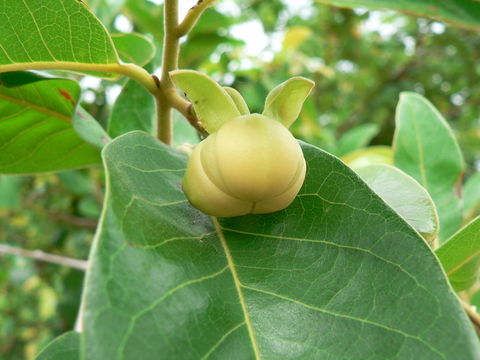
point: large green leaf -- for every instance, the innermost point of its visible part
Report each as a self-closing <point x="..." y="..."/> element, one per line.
<point x="425" y="148"/>
<point x="52" y="34"/>
<point x="460" y="256"/>
<point x="65" y="347"/>
<point x="337" y="275"/>
<point x="36" y="132"/>
<point x="464" y="13"/>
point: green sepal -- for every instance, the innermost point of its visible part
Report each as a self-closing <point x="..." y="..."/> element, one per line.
<point x="238" y="100"/>
<point x="285" y="101"/>
<point x="212" y="104"/>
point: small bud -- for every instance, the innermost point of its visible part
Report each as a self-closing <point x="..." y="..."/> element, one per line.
<point x="251" y="165"/>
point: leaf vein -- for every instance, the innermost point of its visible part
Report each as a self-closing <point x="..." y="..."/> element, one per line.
<point x="238" y="284"/>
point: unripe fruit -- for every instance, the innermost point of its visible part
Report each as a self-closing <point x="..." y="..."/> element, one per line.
<point x="251" y="165"/>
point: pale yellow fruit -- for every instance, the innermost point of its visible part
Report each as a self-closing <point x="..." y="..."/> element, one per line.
<point x="251" y="165"/>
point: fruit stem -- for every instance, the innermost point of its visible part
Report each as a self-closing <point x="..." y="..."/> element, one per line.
<point x="171" y="46"/>
<point x="166" y="95"/>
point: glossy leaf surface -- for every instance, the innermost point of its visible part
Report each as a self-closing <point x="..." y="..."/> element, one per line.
<point x="460" y="256"/>
<point x="36" y="132"/>
<point x="426" y="149"/>
<point x="328" y="277"/>
<point x="405" y="195"/>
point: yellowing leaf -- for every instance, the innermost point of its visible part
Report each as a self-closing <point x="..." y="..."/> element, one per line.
<point x="295" y="36"/>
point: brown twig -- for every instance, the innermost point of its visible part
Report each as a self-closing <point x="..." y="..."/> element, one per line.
<point x="76" y="221"/>
<point x="472" y="314"/>
<point x="43" y="256"/>
<point x="186" y="109"/>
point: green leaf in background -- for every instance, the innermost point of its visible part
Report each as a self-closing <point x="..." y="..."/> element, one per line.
<point x="134" y="48"/>
<point x="464" y="13"/>
<point x="105" y="10"/>
<point x="294" y="37"/>
<point x="404" y="195"/>
<point x="325" y="278"/>
<point x="356" y="138"/>
<point x="88" y="207"/>
<point x="211" y="31"/>
<point x="471" y="194"/>
<point x="200" y="45"/>
<point x="460" y="256"/>
<point x="36" y="132"/>
<point x="134" y="109"/>
<point x="146" y="16"/>
<point x="212" y="104"/>
<point x="426" y="149"/>
<point x="77" y="182"/>
<point x="475" y="299"/>
<point x="31" y="40"/>
<point x="183" y="132"/>
<point x="10" y="191"/>
<point x="65" y="347"/>
<point x="89" y="129"/>
<point x="378" y="154"/>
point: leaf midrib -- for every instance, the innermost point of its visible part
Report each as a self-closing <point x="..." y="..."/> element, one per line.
<point x="463" y="262"/>
<point x="421" y="155"/>
<point x="238" y="287"/>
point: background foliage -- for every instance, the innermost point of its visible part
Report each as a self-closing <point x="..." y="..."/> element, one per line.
<point x="361" y="60"/>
